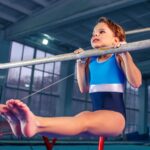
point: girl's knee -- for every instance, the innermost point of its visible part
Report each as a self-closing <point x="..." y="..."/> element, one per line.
<point x="120" y="125"/>
<point x="84" y="114"/>
<point x="85" y="119"/>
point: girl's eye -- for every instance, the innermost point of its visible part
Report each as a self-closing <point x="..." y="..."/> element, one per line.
<point x="101" y="32"/>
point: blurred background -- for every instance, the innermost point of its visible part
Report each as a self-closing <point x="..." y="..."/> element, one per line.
<point x="41" y="28"/>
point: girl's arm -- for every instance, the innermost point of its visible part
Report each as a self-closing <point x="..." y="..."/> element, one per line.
<point x="81" y="77"/>
<point x="131" y="71"/>
<point x="81" y="74"/>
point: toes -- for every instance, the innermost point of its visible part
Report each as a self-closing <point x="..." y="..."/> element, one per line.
<point x="2" y="106"/>
<point x="10" y="103"/>
<point x="20" y="105"/>
<point x="10" y="106"/>
<point x="13" y="107"/>
<point x="19" y="109"/>
<point x="17" y="104"/>
<point x="4" y="109"/>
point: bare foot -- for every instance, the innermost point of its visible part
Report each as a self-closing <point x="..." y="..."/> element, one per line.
<point x="26" y="118"/>
<point x="7" y="114"/>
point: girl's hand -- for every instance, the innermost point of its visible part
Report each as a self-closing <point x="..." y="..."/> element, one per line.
<point x="77" y="51"/>
<point x="123" y="55"/>
<point x="119" y="44"/>
<point x="81" y="60"/>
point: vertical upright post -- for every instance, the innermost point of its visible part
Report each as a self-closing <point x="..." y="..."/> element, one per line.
<point x="49" y="146"/>
<point x="5" y="47"/>
<point x="143" y="107"/>
<point x="101" y="143"/>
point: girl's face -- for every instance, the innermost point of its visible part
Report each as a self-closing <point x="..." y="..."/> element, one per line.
<point x="103" y="37"/>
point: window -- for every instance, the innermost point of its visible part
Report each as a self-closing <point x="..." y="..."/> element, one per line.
<point x="81" y="101"/>
<point x="25" y="77"/>
<point x="13" y="76"/>
<point x="132" y="108"/>
<point x="16" y="53"/>
<point x="40" y="54"/>
<point x="22" y="81"/>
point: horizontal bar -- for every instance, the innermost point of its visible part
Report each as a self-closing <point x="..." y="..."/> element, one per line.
<point x="134" y="46"/>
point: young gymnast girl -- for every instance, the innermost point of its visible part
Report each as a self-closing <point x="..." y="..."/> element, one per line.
<point x="103" y="77"/>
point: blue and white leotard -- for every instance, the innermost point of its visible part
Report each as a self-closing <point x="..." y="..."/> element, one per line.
<point x="106" y="84"/>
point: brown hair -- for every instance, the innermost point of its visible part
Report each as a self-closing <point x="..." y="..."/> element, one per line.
<point x="116" y="29"/>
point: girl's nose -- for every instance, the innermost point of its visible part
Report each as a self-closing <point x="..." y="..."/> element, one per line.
<point x="95" y="34"/>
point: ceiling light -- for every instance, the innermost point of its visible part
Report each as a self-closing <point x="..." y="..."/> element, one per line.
<point x="45" y="42"/>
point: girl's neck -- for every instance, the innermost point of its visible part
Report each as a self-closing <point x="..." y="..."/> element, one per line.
<point x="104" y="57"/>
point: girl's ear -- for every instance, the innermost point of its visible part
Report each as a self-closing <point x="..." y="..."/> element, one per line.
<point x="116" y="42"/>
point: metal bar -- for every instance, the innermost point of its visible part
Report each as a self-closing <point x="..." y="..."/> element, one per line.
<point x="134" y="46"/>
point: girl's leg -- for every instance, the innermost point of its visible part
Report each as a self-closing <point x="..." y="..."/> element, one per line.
<point x="108" y="123"/>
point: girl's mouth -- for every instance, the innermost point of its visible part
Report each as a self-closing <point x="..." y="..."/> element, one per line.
<point x="95" y="40"/>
